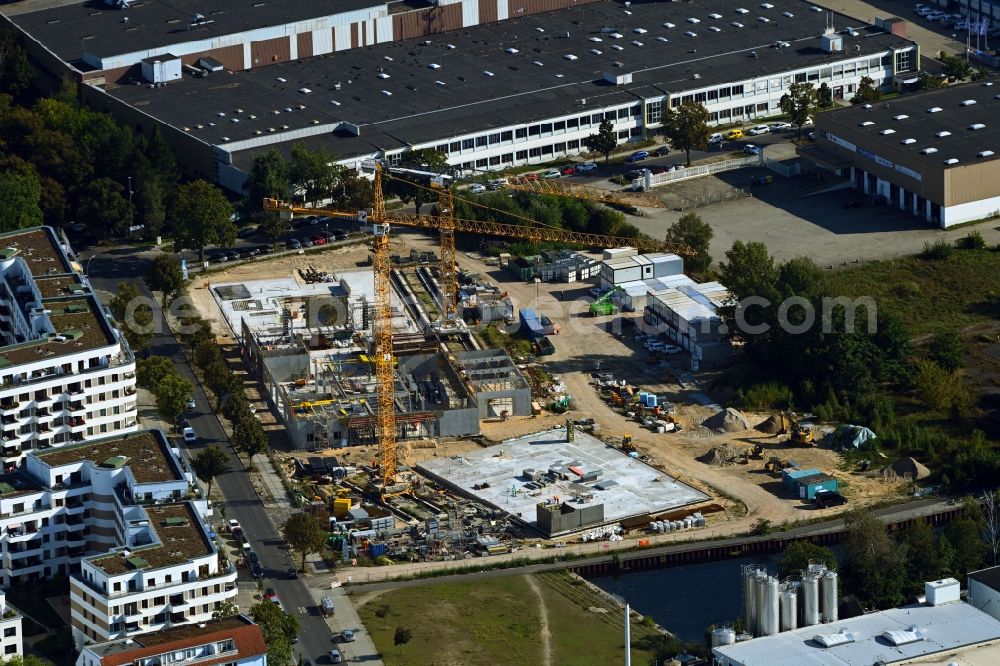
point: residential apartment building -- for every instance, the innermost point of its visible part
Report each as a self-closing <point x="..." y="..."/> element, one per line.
<point x="233" y="641"/>
<point x="11" y="641"/>
<point x="122" y="516"/>
<point x="66" y="372"/>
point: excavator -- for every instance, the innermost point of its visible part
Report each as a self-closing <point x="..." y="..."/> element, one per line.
<point x="627" y="445"/>
<point x="799" y="434"/>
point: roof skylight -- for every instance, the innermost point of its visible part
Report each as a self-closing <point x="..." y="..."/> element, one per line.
<point x="901" y="116"/>
<point x="595" y="51"/>
<point x="984" y="153"/>
<point x="942" y="134"/>
<point x="736" y="24"/>
<point x="866" y="123"/>
<point x="740" y="10"/>
<point x="691" y="34"/>
<point x="928" y="151"/>
<point x="967" y="102"/>
<point x="639" y="31"/>
<point x="976" y="126"/>
<point x="668" y="24"/>
<point x="715" y="16"/>
<point x="907" y="142"/>
<point x="935" y="109"/>
<point x="569" y="56"/>
<point x="951" y="160"/>
<point x="693" y="20"/>
<point x="715" y="28"/>
<point x="887" y="131"/>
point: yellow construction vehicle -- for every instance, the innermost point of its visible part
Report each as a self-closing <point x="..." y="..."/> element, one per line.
<point x="757" y="452"/>
<point x="799" y="434"/>
<point x="627" y="445"/>
<point x="774" y="465"/>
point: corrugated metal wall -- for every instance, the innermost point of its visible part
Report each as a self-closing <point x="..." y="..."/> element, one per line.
<point x="427" y="21"/>
<point x="470" y="13"/>
<point x="342" y="37"/>
<point x="322" y="42"/>
<point x="231" y="57"/>
<point x="517" y="8"/>
<point x="270" y="51"/>
<point x="488" y="11"/>
<point x="383" y="27"/>
<point x="304" y="44"/>
<point x="964" y="184"/>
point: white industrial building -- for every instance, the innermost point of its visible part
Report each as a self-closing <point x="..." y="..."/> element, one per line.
<point x="121" y="516"/>
<point x="941" y="631"/>
<point x="66" y="371"/>
<point x="624" y="266"/>
<point x="689" y="317"/>
<point x="984" y="590"/>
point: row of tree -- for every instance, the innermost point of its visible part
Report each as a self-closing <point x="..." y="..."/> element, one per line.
<point x="159" y="374"/>
<point x="280" y="629"/>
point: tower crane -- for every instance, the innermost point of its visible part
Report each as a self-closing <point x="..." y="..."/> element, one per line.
<point x="448" y="224"/>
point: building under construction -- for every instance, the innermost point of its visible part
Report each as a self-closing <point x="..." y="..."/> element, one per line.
<point x="310" y="347"/>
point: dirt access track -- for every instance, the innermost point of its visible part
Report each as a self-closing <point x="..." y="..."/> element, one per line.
<point x="747" y="492"/>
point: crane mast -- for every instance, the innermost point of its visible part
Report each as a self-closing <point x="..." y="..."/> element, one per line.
<point x="382" y="341"/>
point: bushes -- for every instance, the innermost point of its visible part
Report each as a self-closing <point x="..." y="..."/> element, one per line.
<point x="973" y="241"/>
<point x="937" y="251"/>
<point x="762" y="397"/>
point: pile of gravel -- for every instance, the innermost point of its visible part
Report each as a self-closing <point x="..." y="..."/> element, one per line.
<point x="771" y="426"/>
<point x="720" y="455"/>
<point x="727" y="420"/>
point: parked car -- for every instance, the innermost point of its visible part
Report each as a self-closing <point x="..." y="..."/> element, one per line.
<point x="734" y="134"/>
<point x="808" y="122"/>
<point x="658" y="168"/>
<point x="189" y="436"/>
<point x="671" y="349"/>
<point x="293" y="244"/>
<point x="233" y="524"/>
<point x="825" y="498"/>
<point x="568" y="170"/>
<point x="265" y="249"/>
<point x="751" y="149"/>
<point x="299" y="223"/>
<point x="340" y="235"/>
<point x="758" y="130"/>
<point x="529" y="177"/>
<point x="234" y="255"/>
<point x="191" y="404"/>
<point x="292" y="573"/>
<point x="586" y="167"/>
<point x="661" y="151"/>
<point x="714" y="139"/>
<point x="270" y="594"/>
<point x="477" y="188"/>
<point x="246" y="232"/>
<point x="319" y="239"/>
<point x="218" y="257"/>
<point x="496" y="183"/>
<point x="306" y="242"/>
<point x="551" y="173"/>
<point x="347" y="636"/>
<point x="335" y="657"/>
<point x="637" y="156"/>
<point x="779" y="126"/>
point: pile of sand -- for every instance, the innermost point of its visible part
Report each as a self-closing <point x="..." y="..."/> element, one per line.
<point x="771" y="426"/>
<point x="720" y="455"/>
<point x="727" y="420"/>
<point x="907" y="468"/>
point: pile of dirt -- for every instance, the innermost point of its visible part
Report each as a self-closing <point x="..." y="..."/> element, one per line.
<point x="727" y="420"/>
<point x="720" y="455"/>
<point x="907" y="468"/>
<point x="772" y="425"/>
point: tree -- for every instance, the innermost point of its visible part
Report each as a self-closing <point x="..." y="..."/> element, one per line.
<point x="687" y="127"/>
<point x="923" y="557"/>
<point x="235" y="405"/>
<point x="938" y="389"/>
<point x="165" y="276"/>
<point x="968" y="544"/>
<point x="306" y="534"/>
<point x="273" y="225"/>
<point x="151" y="371"/>
<point x="874" y="568"/>
<point x="218" y="377"/>
<point x="799" y="103"/>
<point x="278" y="628"/>
<point x="208" y="464"/>
<point x="104" y="209"/>
<point x="401" y="637"/>
<point x="799" y="554"/>
<point x="948" y="351"/>
<point x="250" y="437"/>
<point x="955" y="67"/>
<point x="133" y="316"/>
<point x="867" y="92"/>
<point x="690" y="230"/>
<point x="16" y="72"/>
<point x="21" y="193"/>
<point x="269" y="177"/>
<point x="382" y="612"/>
<point x="225" y="609"/>
<point x="824" y="96"/>
<point x="171" y="393"/>
<point x="989" y="521"/>
<point x="201" y="216"/>
<point x="604" y="141"/>
<point x="930" y="82"/>
<point x="748" y="271"/>
<point x="27" y="660"/>
<point x="312" y="173"/>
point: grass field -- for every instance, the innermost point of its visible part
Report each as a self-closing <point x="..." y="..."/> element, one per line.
<point x="929" y="296"/>
<point x="499" y="621"/>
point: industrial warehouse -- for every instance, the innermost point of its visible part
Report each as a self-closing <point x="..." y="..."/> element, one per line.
<point x="307" y="344"/>
<point x="935" y="155"/>
<point x="563" y="481"/>
<point x="491" y="96"/>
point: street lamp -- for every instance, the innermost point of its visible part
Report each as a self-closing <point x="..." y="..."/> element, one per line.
<point x="131" y="212"/>
<point x="86" y="268"/>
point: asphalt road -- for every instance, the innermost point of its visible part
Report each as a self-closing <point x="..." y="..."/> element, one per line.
<point x="242" y="503"/>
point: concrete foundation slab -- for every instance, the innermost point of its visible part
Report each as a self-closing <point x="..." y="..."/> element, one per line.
<point x="495" y="476"/>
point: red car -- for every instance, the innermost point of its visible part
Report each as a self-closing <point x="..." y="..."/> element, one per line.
<point x="529" y="177"/>
<point x="319" y="239"/>
<point x="568" y="170"/>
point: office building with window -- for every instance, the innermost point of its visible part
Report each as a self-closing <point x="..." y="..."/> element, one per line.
<point x="11" y="639"/>
<point x="231" y="641"/>
<point x="934" y="154"/>
<point x="520" y="91"/>
<point x="66" y="371"/>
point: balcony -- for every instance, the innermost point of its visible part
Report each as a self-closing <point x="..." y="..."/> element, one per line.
<point x="8" y="419"/>
<point x="74" y="389"/>
<point x="76" y="421"/>
<point x="8" y="405"/>
<point x="178" y="601"/>
<point x="77" y="406"/>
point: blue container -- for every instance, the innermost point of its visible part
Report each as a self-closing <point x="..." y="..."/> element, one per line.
<point x="377" y="549"/>
<point x="651" y="400"/>
<point x="644" y="399"/>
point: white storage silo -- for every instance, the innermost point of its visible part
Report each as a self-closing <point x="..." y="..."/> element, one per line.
<point x="723" y="636"/>
<point x="749" y="599"/>
<point x="810" y="600"/>
<point x="760" y="582"/>
<point x="790" y="608"/>
<point x="771" y="608"/>
<point x="830" y="596"/>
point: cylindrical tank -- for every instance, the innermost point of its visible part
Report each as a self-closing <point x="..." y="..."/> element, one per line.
<point x="749" y="599"/>
<point x="743" y="637"/>
<point x="723" y="636"/>
<point x="653" y="527"/>
<point x="760" y="582"/>
<point x="772" y="615"/>
<point x="830" y="602"/>
<point x="810" y="600"/>
<point x="789" y="608"/>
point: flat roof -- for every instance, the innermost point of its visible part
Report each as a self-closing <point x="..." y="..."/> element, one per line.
<point x="958" y="122"/>
<point x="40" y="249"/>
<point x="498" y="74"/>
<point x="248" y="636"/>
<point x="80" y="320"/>
<point x="641" y="489"/>
<point x="948" y="627"/>
<point x="147" y="454"/>
<point x="179" y="532"/>
<point x="152" y="24"/>
<point x="17" y="483"/>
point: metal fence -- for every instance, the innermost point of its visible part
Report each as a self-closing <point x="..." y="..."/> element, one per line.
<point x="788" y="170"/>
<point x="651" y="180"/>
<point x="702" y="200"/>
